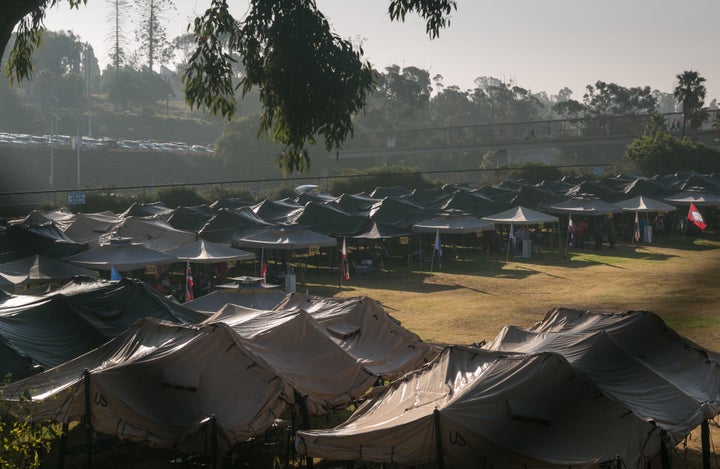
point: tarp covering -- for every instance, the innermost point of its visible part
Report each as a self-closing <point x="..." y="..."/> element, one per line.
<point x="152" y="232"/>
<point x="330" y="219"/>
<point x="43" y="269"/>
<point x="146" y="210"/>
<point x="190" y="218"/>
<point x="281" y="212"/>
<point x="49" y="330"/>
<point x="363" y="329"/>
<point x="18" y="241"/>
<point x="89" y="227"/>
<point x="635" y="359"/>
<point x="153" y="384"/>
<point x="120" y="254"/>
<point x="227" y="225"/>
<point x="493" y="410"/>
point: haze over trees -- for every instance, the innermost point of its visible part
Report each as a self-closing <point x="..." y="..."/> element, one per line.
<point x="339" y="96"/>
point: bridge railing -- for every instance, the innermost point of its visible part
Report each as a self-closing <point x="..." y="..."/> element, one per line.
<point x="506" y="133"/>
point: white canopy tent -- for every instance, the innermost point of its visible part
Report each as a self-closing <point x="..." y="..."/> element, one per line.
<point x="520" y="216"/>
<point x="697" y="198"/>
<point x="644" y="204"/>
<point x="207" y="252"/>
<point x="450" y="222"/>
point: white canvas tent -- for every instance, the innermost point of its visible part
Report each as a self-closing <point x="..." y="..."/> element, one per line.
<point x="491" y="409"/>
<point x="153" y="384"/>
<point x="294" y="345"/>
<point x="367" y="332"/>
<point x="626" y="355"/>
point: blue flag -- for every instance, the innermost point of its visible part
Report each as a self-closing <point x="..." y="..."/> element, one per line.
<point x="114" y="274"/>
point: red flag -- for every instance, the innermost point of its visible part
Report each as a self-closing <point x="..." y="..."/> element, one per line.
<point x="696" y="217"/>
<point x="189" y="284"/>
<point x="263" y="266"/>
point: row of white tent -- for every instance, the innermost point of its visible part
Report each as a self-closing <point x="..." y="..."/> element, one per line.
<point x="578" y="389"/>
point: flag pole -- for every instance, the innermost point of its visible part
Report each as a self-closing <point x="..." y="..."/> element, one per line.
<point x="567" y="235"/>
<point x="432" y="258"/>
<point x="511" y="237"/>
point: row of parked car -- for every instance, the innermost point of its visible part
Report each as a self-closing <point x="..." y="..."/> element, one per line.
<point x="104" y="142"/>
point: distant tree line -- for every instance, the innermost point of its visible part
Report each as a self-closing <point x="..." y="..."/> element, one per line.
<point x="67" y="83"/>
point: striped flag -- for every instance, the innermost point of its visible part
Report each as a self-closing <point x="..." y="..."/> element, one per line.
<point x="696" y="217"/>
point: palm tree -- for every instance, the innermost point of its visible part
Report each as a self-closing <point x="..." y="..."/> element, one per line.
<point x="690" y="93"/>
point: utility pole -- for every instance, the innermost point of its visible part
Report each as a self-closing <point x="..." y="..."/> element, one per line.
<point x="87" y="87"/>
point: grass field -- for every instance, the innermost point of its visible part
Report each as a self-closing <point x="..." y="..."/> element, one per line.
<point x="473" y="296"/>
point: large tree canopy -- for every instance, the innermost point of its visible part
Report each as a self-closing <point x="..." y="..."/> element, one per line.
<point x="311" y="81"/>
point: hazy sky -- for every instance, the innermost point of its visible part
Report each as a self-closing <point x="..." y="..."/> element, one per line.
<point x="542" y="45"/>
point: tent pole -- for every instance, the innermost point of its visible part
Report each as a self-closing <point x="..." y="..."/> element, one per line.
<point x="438" y="438"/>
<point x="88" y="417"/>
<point x="63" y="445"/>
<point x="432" y="259"/>
<point x="213" y="441"/>
<point x="421" y="252"/>
<point x="567" y="236"/>
<point x="705" y="438"/>
<point x="507" y="253"/>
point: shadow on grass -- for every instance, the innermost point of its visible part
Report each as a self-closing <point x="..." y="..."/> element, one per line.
<point x="421" y="279"/>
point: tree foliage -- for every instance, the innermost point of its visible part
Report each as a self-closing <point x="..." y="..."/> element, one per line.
<point x="690" y="94"/>
<point x="136" y="88"/>
<point x="661" y="153"/>
<point x="311" y="81"/>
<point x="151" y="33"/>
